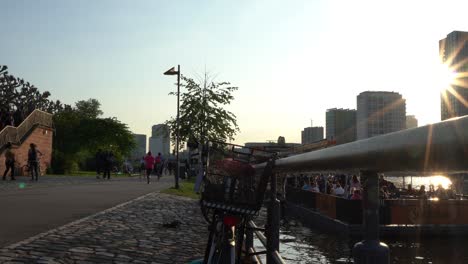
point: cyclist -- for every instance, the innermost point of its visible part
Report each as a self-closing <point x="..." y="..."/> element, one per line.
<point x="33" y="161"/>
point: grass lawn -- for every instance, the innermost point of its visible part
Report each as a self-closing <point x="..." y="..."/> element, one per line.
<point x="185" y="189"/>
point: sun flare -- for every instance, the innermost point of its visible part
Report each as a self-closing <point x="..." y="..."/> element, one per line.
<point x="446" y="77"/>
<point x="439" y="179"/>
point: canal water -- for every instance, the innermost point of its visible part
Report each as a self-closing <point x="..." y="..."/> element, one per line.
<point x="301" y="244"/>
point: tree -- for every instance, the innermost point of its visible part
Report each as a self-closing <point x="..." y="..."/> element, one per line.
<point x="21" y="98"/>
<point x="79" y="134"/>
<point x="202" y="116"/>
<point x="89" y="108"/>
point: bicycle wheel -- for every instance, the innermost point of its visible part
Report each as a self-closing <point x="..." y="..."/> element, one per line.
<point x="221" y="250"/>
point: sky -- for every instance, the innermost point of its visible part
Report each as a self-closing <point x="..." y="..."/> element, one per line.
<point x="291" y="60"/>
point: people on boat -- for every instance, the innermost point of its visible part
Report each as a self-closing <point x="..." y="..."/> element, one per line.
<point x="356" y="195"/>
<point x="451" y="192"/>
<point x="422" y="192"/>
<point x="314" y="187"/>
<point x="410" y="190"/>
<point x="441" y="193"/>
<point x="431" y="192"/>
<point x="355" y="184"/>
<point x="321" y="183"/>
<point x="306" y="185"/>
<point x="338" y="191"/>
<point x="384" y="194"/>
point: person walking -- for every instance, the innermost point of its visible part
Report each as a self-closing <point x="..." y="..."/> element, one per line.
<point x="33" y="161"/>
<point x="108" y="161"/>
<point x="9" y="163"/>
<point x="149" y="164"/>
<point x="158" y="167"/>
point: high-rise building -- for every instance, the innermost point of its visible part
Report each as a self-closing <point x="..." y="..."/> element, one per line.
<point x="159" y="141"/>
<point x="411" y="121"/>
<point x="379" y="113"/>
<point x="341" y="125"/>
<point x="453" y="51"/>
<point x="311" y="134"/>
<point x="140" y="149"/>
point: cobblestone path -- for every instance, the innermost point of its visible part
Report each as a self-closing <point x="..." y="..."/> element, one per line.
<point x="129" y="233"/>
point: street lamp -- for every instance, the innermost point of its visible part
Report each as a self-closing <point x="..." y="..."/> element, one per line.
<point x="172" y="71"/>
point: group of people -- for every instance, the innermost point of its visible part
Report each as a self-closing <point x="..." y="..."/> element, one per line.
<point x="33" y="162"/>
<point x="350" y="187"/>
<point x="104" y="162"/>
<point x="152" y="163"/>
<point x="440" y="193"/>
<point x="346" y="187"/>
<point x="338" y="185"/>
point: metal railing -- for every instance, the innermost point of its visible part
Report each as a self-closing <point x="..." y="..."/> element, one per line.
<point x="438" y="148"/>
<point x="14" y="135"/>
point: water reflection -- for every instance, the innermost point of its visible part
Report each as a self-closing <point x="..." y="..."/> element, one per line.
<point x="303" y="245"/>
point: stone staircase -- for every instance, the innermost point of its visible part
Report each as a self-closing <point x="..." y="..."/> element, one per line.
<point x="37" y="128"/>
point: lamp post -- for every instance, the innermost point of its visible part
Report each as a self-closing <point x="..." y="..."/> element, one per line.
<point x="172" y="71"/>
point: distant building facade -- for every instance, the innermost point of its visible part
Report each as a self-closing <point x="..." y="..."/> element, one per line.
<point x="159" y="141"/>
<point x="411" y="121"/>
<point x="341" y="125"/>
<point x="311" y="134"/>
<point x="379" y="113"/>
<point x="453" y="51"/>
<point x="279" y="146"/>
<point x="140" y="149"/>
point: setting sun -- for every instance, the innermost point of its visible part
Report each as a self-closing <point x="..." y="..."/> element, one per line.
<point x="439" y="179"/>
<point x="446" y="77"/>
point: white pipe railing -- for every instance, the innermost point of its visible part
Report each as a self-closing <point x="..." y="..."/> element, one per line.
<point x="436" y="148"/>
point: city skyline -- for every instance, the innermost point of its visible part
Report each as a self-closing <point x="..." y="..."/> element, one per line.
<point x="300" y="61"/>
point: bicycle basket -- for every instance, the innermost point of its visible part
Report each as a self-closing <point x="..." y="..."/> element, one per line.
<point x="231" y="183"/>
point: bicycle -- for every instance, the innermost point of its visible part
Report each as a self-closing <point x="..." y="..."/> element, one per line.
<point x="232" y="194"/>
<point x="27" y="168"/>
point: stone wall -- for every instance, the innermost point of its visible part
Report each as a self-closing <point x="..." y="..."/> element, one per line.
<point x="42" y="137"/>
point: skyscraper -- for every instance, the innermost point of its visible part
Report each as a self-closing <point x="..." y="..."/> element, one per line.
<point x="341" y="125"/>
<point x="140" y="149"/>
<point x="379" y="113"/>
<point x="311" y="134"/>
<point x="453" y="51"/>
<point x="160" y="140"/>
<point x="411" y="121"/>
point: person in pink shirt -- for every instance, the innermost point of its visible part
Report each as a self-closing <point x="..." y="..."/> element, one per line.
<point x="149" y="164"/>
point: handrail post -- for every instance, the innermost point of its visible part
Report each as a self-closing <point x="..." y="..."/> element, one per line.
<point x="273" y="221"/>
<point x="371" y="250"/>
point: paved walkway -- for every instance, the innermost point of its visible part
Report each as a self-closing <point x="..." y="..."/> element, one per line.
<point x="24" y="183"/>
<point x="129" y="233"/>
<point x="56" y="201"/>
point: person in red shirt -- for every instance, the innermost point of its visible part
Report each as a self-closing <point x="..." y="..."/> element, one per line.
<point x="149" y="164"/>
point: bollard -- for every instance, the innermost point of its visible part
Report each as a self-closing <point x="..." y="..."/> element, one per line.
<point x="371" y="250"/>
